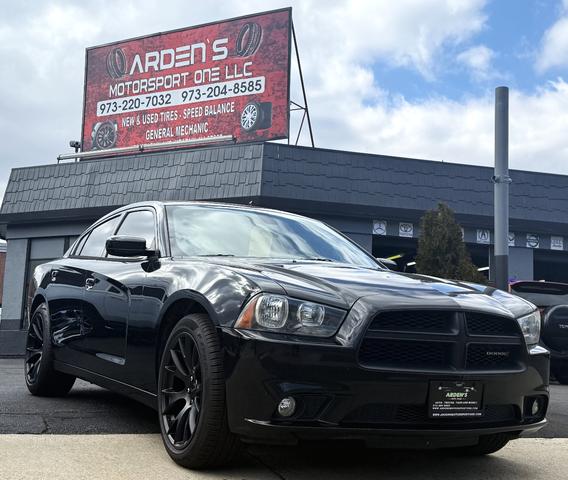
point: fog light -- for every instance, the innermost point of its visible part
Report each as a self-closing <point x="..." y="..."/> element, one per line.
<point x="286" y="407"/>
<point x="535" y="409"/>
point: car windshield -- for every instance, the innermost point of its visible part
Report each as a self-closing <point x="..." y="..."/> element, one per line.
<point x="226" y="231"/>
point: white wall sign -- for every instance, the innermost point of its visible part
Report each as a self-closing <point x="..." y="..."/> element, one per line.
<point x="405" y="229"/>
<point x="379" y="227"/>
<point x="483" y="236"/>
<point x="556" y="243"/>
<point x="511" y="239"/>
<point x="533" y="240"/>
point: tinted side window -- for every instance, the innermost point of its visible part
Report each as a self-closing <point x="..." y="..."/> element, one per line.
<point x="95" y="244"/>
<point x="81" y="244"/>
<point x="139" y="224"/>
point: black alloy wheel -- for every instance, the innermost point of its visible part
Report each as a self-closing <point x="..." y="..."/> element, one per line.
<point x="41" y="377"/>
<point x="191" y="396"/>
<point x="181" y="390"/>
<point x="34" y="348"/>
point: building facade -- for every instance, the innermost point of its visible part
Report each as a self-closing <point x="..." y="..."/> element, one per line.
<point x="376" y="200"/>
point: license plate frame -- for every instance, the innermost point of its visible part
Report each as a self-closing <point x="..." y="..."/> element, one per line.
<point x="453" y="399"/>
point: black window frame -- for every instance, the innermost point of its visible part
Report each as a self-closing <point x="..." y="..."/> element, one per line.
<point x="85" y="238"/>
<point x="121" y="221"/>
<point x="79" y="244"/>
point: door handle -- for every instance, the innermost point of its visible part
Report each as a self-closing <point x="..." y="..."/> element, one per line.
<point x="89" y="283"/>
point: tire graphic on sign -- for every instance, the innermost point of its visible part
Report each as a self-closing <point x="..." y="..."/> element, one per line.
<point x="256" y="116"/>
<point x="249" y="39"/>
<point x="116" y="63"/>
<point x="104" y="135"/>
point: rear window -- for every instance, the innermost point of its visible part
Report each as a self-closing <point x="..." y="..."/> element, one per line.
<point x="542" y="294"/>
<point x="541" y="287"/>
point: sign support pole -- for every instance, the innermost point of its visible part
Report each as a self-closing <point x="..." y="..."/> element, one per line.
<point x="306" y="115"/>
<point x="501" y="181"/>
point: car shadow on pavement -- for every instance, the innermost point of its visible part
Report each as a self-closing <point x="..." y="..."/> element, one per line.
<point x="336" y="462"/>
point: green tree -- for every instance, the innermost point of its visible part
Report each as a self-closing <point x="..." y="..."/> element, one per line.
<point x="441" y="249"/>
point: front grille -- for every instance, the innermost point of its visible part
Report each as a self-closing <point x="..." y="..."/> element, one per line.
<point x="442" y="341"/>
<point x="483" y="324"/>
<point x="414" y="321"/>
<point x="491" y="356"/>
<point x="386" y="413"/>
<point x="396" y="353"/>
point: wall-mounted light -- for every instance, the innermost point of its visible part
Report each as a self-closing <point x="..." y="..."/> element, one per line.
<point x="75" y="144"/>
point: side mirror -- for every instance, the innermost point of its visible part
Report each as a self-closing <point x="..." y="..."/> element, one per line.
<point x="390" y="264"/>
<point x="124" y="246"/>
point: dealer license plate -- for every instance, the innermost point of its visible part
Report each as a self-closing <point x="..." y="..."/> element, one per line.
<point x="455" y="399"/>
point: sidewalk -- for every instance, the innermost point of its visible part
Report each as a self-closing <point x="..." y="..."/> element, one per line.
<point x="140" y="457"/>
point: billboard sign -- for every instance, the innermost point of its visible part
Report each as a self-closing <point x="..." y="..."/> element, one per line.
<point x="219" y="79"/>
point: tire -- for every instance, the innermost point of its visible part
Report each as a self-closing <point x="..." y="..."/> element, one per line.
<point x="251" y="116"/>
<point x="249" y="39"/>
<point x="487" y="445"/>
<point x="41" y="378"/>
<point x="192" y="406"/>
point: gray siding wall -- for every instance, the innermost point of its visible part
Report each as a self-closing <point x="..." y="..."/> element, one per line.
<point x="55" y="229"/>
<point x="366" y="183"/>
<point x="14" y="284"/>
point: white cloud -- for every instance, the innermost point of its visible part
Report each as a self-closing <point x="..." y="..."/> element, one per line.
<point x="554" y="48"/>
<point x="341" y="43"/>
<point x="461" y="132"/>
<point x="479" y="60"/>
<point x="407" y="33"/>
<point x="42" y="53"/>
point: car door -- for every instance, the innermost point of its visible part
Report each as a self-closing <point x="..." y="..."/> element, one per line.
<point x="112" y="287"/>
<point x="74" y="329"/>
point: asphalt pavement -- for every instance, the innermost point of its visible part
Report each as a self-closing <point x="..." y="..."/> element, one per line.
<point x="87" y="408"/>
<point x="93" y="433"/>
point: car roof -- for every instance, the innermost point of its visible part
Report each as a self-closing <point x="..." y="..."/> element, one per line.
<point x="199" y="203"/>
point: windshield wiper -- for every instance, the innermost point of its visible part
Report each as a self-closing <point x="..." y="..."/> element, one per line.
<point x="216" y="255"/>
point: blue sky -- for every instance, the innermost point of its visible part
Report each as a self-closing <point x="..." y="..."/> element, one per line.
<point x="513" y="31"/>
<point x="411" y="78"/>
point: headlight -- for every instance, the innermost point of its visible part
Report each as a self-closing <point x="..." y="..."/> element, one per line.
<point x="277" y="313"/>
<point x="530" y="325"/>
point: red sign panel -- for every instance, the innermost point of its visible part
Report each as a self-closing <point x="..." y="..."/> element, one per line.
<point x="227" y="78"/>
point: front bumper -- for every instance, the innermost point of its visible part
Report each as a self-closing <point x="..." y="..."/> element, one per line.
<point x="338" y="399"/>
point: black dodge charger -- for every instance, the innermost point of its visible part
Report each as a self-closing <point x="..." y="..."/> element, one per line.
<point x="242" y="325"/>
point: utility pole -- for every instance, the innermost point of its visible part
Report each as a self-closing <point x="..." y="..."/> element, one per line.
<point x="501" y="181"/>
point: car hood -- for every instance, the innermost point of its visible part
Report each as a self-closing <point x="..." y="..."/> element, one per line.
<point x="342" y="285"/>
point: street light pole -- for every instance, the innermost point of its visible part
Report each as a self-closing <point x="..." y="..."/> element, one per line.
<point x="501" y="180"/>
